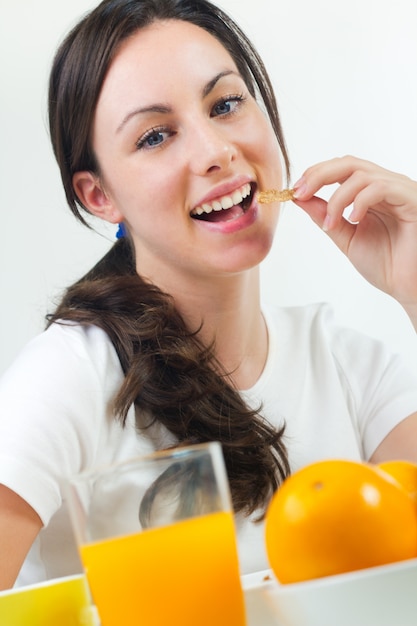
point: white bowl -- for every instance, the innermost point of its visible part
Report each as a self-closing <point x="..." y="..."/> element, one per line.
<point x="378" y="596"/>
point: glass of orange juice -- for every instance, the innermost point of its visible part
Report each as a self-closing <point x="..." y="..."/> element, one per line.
<point x="157" y="540"/>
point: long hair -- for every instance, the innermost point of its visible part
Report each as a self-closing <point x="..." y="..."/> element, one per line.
<point x="170" y="375"/>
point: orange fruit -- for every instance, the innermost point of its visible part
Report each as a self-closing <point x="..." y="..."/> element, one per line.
<point x="405" y="473"/>
<point x="337" y="516"/>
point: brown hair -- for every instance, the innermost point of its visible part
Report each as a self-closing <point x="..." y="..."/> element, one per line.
<point x="169" y="374"/>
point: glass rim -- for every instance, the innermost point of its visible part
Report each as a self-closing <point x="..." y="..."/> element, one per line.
<point x="175" y="452"/>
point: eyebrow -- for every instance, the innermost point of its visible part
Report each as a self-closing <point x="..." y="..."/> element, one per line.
<point x="213" y="82"/>
<point x="164" y="108"/>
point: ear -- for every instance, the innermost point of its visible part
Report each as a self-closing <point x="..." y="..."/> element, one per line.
<point x="91" y="194"/>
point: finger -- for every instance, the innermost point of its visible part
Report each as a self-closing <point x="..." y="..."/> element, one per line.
<point x="390" y="197"/>
<point x="346" y="195"/>
<point x="336" y="170"/>
<point x="316" y="208"/>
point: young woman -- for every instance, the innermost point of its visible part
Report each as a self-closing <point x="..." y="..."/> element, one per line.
<point x="163" y="119"/>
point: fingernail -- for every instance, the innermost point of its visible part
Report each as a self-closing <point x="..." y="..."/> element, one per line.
<point x="300" y="188"/>
<point x="350" y="215"/>
<point x="327" y="223"/>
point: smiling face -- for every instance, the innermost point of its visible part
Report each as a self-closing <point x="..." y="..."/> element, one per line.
<point x="182" y="146"/>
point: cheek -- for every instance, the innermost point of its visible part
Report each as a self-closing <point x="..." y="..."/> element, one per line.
<point x="140" y="193"/>
<point x="159" y="187"/>
<point x="265" y="148"/>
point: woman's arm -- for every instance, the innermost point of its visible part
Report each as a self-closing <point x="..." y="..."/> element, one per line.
<point x="400" y="443"/>
<point x="380" y="238"/>
<point x="19" y="526"/>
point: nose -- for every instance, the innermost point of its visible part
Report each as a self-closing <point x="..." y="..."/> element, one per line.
<point x="211" y="149"/>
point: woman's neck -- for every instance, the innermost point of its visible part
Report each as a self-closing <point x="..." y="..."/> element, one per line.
<point x="230" y="316"/>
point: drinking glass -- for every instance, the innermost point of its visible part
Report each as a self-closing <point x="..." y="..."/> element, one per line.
<point x="156" y="536"/>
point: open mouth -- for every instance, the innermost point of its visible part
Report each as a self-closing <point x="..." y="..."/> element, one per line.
<point x="226" y="208"/>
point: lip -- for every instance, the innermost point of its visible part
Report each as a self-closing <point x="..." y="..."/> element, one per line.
<point x="240" y="223"/>
<point x="224" y="189"/>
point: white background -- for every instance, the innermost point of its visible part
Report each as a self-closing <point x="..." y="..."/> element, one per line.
<point x="345" y="74"/>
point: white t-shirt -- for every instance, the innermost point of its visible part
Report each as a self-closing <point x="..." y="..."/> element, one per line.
<point x="339" y="393"/>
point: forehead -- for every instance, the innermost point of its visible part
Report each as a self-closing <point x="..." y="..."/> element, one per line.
<point x="170" y="51"/>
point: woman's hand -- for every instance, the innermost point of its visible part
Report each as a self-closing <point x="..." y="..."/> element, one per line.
<point x="380" y="238"/>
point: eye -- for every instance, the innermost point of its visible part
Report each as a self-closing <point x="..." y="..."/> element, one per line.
<point x="153" y="138"/>
<point x="227" y="106"/>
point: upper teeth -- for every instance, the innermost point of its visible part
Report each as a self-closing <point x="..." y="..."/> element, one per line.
<point x="225" y="202"/>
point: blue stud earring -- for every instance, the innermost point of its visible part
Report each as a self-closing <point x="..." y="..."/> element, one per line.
<point x="121" y="231"/>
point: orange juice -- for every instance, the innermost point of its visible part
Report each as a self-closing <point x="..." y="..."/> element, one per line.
<point x="185" y="574"/>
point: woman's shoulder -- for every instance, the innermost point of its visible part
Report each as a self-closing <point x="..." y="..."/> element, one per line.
<point x="314" y="329"/>
<point x="63" y="383"/>
<point x="66" y="350"/>
<point x="312" y="333"/>
<point x="79" y="338"/>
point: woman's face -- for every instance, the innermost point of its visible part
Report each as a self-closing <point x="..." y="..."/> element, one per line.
<point x="179" y="139"/>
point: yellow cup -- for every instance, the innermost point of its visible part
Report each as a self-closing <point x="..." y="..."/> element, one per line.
<point x="59" y="602"/>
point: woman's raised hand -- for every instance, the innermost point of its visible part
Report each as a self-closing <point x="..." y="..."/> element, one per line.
<point x="380" y="238"/>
